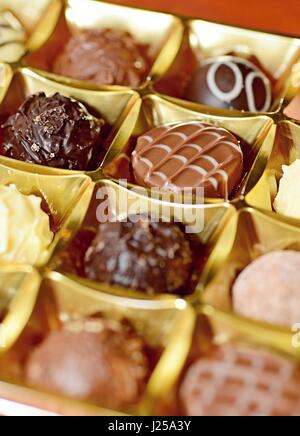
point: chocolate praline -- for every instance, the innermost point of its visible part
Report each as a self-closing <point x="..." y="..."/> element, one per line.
<point x="94" y="359"/>
<point x="104" y="57"/>
<point x="53" y="131"/>
<point x="241" y="381"/>
<point x="189" y="155"/>
<point x="268" y="289"/>
<point x="231" y="82"/>
<point x="151" y="257"/>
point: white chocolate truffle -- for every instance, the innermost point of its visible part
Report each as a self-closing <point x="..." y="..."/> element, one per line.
<point x="287" y="201"/>
<point x="12" y="38"/>
<point x="25" y="233"/>
<point x="268" y="289"/>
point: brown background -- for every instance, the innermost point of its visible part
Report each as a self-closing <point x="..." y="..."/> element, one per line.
<point x="272" y="15"/>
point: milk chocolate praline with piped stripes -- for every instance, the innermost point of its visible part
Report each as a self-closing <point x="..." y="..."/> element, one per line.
<point x="231" y="82"/>
<point x="95" y="359"/>
<point x="236" y="380"/>
<point x="189" y="155"/>
<point x="54" y="131"/>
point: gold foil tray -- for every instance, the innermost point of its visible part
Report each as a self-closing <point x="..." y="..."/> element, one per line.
<point x="205" y="221"/>
<point x="166" y="324"/>
<point x="258" y="132"/>
<point x="66" y="211"/>
<point x="162" y="32"/>
<point x="248" y="235"/>
<point x="30" y="13"/>
<point x="119" y="109"/>
<point x="18" y="291"/>
<point x="286" y="150"/>
<point x="278" y="54"/>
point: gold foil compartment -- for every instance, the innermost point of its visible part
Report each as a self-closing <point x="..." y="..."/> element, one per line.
<point x="277" y="54"/>
<point x="29" y="12"/>
<point x="257" y="132"/>
<point x="248" y="235"/>
<point x="286" y="150"/>
<point x="161" y="32"/>
<point x="119" y="108"/>
<point x="65" y="198"/>
<point x="166" y="325"/>
<point x="6" y="75"/>
<point x="206" y="223"/>
<point x="18" y="291"/>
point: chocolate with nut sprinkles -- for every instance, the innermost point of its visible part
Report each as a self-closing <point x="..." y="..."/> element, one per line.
<point x="146" y="256"/>
<point x="53" y="131"/>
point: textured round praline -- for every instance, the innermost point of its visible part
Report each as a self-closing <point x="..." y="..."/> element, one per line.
<point x="104" y="57"/>
<point x="241" y="381"/>
<point x="97" y="360"/>
<point x="151" y="257"/>
<point x="53" y="131"/>
<point x="231" y="82"/>
<point x="268" y="289"/>
<point x="189" y="155"/>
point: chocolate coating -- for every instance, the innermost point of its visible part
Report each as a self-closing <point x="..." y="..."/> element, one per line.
<point x="230" y="82"/>
<point x="268" y="289"/>
<point x="12" y="37"/>
<point x="105" y="57"/>
<point x="238" y="381"/>
<point x="52" y="131"/>
<point x="97" y="360"/>
<point x="190" y="155"/>
<point x="145" y="256"/>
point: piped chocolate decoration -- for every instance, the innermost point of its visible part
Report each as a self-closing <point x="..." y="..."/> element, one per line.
<point x="191" y="155"/>
<point x="231" y="82"/>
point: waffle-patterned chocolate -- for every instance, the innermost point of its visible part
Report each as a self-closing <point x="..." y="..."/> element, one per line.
<point x="190" y="155"/>
<point x="231" y="82"/>
<point x="238" y="381"/>
<point x="12" y="37"/>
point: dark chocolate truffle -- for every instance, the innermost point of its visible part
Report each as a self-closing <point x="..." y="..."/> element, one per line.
<point x="239" y="381"/>
<point x="145" y="256"/>
<point x="53" y="131"/>
<point x="268" y="289"/>
<point x="231" y="82"/>
<point x="105" y="57"/>
<point x="190" y="155"/>
<point x="97" y="360"/>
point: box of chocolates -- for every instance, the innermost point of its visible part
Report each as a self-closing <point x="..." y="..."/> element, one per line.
<point x="149" y="214"/>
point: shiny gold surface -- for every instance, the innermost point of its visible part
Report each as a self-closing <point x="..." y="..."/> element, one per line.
<point x="65" y="211"/>
<point x="19" y="288"/>
<point x="119" y="109"/>
<point x="249" y="235"/>
<point x="285" y="151"/>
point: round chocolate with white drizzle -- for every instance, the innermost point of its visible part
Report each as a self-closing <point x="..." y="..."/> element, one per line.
<point x="231" y="82"/>
<point x="190" y="155"/>
<point x="12" y="38"/>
